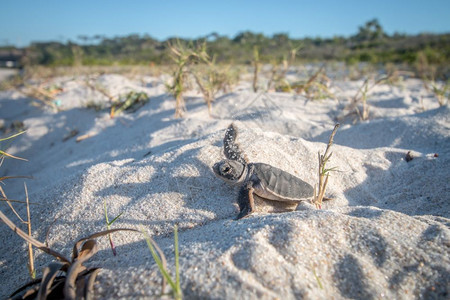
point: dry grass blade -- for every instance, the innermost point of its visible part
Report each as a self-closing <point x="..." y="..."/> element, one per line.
<point x="16" y="201"/>
<point x="31" y="240"/>
<point x="12" y="136"/>
<point x="8" y="201"/>
<point x="310" y="80"/>
<point x="102" y="91"/>
<point x="14" y="177"/>
<point x="42" y="95"/>
<point x="177" y="264"/>
<point x="11" y="156"/>
<point x="30" y="248"/>
<point x="256" y="67"/>
<point x="10" y="205"/>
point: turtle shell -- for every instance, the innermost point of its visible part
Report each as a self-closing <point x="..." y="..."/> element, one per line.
<point x="272" y="183"/>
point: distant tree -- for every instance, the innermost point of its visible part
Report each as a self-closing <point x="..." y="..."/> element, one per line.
<point x="370" y="44"/>
<point x="250" y="38"/>
<point x="212" y="36"/>
<point x="371" y="31"/>
<point x="281" y="38"/>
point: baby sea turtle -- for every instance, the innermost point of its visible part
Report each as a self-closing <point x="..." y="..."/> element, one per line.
<point x="266" y="186"/>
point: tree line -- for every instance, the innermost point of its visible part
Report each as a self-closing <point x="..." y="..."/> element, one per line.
<point x="370" y="44"/>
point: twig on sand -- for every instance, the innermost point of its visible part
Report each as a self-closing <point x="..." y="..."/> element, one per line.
<point x="84" y="137"/>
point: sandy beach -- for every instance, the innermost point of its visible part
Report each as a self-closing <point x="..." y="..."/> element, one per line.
<point x="384" y="235"/>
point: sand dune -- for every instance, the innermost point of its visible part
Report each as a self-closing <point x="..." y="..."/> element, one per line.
<point x="385" y="234"/>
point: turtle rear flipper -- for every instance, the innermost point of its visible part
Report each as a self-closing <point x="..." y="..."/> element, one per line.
<point x="231" y="147"/>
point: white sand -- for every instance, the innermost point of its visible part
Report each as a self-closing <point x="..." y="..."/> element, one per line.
<point x="385" y="235"/>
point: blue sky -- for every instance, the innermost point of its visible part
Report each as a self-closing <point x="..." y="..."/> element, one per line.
<point x="39" y="20"/>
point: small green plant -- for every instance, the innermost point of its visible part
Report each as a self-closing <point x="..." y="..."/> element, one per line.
<point x="319" y="283"/>
<point x="278" y="74"/>
<point x="131" y="102"/>
<point x="429" y="73"/>
<point x="364" y="115"/>
<point x="94" y="105"/>
<point x="442" y="92"/>
<point x="275" y="75"/>
<point x="211" y="79"/>
<point x="315" y="88"/>
<point x="256" y="67"/>
<point x="361" y="96"/>
<point x="108" y="227"/>
<point x="324" y="172"/>
<point x="183" y="57"/>
<point x="161" y="262"/>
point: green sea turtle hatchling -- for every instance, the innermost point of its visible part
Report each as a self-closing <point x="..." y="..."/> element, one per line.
<point x="261" y="184"/>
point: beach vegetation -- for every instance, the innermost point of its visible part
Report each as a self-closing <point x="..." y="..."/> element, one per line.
<point x="65" y="278"/>
<point x="160" y="260"/>
<point x="370" y="44"/>
<point x="131" y="102"/>
<point x="441" y="91"/>
<point x="316" y="87"/>
<point x="108" y="226"/>
<point x="324" y="171"/>
<point x="4" y="198"/>
<point x="193" y="62"/>
<point x="183" y="56"/>
<point x="359" y="102"/>
<point x="280" y="68"/>
<point x="256" y="68"/>
<point x="211" y="79"/>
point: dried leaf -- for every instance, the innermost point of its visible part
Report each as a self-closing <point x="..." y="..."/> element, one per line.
<point x="48" y="277"/>
<point x="89" y="288"/>
<point x="88" y="249"/>
<point x="96" y="235"/>
<point x="32" y="292"/>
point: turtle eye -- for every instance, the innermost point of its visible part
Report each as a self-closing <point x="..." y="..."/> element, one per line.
<point x="226" y="169"/>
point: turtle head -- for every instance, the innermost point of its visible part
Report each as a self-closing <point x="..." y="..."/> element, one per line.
<point x="231" y="171"/>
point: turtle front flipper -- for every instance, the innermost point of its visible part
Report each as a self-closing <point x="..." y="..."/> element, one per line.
<point x="231" y="147"/>
<point x="246" y="201"/>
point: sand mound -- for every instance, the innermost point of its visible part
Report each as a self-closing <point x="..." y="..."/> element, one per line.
<point x="384" y="234"/>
